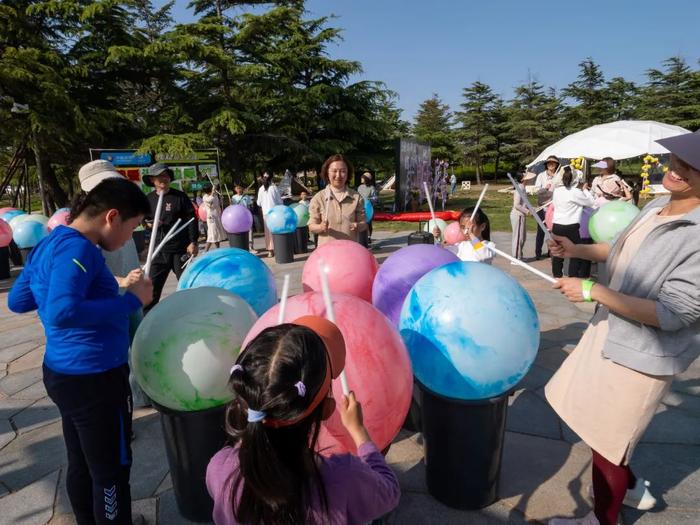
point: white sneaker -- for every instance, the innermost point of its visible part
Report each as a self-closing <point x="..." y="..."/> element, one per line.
<point x="639" y="497"/>
<point x="589" y="519"/>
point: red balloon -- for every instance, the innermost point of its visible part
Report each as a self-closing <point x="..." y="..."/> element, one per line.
<point x="377" y="367"/>
<point x="351" y="269"/>
<point x="454" y="233"/>
<point x="202" y="213"/>
<point x="5" y="234"/>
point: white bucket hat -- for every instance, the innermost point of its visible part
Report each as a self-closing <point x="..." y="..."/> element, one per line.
<point x="92" y="173"/>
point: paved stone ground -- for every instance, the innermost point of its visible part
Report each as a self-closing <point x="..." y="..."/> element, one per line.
<point x="545" y="470"/>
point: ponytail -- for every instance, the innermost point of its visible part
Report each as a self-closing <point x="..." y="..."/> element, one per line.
<point x="115" y="193"/>
<point x="278" y="467"/>
<point x="567" y="177"/>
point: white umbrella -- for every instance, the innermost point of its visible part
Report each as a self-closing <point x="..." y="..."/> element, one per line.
<point x="620" y="140"/>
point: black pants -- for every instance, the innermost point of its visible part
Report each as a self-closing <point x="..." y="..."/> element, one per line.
<point x="161" y="266"/>
<point x="584" y="265"/>
<point x="539" y="238"/>
<point x="96" y="414"/>
<point x="571" y="232"/>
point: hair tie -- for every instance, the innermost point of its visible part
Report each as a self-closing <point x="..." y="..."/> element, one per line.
<point x="236" y="368"/>
<point x="255" y="416"/>
<point x="301" y="388"/>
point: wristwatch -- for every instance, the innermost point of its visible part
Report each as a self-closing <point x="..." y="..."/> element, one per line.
<point x="586" y="288"/>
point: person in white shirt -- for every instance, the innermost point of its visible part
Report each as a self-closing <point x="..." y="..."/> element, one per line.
<point x="268" y="198"/>
<point x="545" y="184"/>
<point x="569" y="202"/>
<point x="453" y="183"/>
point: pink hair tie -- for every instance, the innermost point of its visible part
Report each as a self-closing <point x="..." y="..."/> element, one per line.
<point x="301" y="388"/>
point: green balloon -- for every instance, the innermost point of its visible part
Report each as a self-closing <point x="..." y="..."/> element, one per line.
<point x="302" y="211"/>
<point x="184" y="348"/>
<point x="610" y="219"/>
<point x="19" y="219"/>
<point x="430" y="225"/>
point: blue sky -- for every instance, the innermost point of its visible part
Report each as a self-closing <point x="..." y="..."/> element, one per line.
<point x="419" y="47"/>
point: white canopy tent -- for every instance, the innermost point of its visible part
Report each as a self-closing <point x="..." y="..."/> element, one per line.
<point x="623" y="139"/>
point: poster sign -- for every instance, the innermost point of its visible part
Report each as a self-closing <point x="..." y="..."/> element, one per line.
<point x="412" y="169"/>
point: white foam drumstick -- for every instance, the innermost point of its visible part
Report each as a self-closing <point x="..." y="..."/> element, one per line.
<point x="283" y="300"/>
<point x="529" y="206"/>
<point x="478" y="203"/>
<point x="522" y="264"/>
<point x="325" y="289"/>
<point x="154" y="234"/>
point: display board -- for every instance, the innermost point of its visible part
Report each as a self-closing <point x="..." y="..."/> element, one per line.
<point x="412" y="169"/>
<point x="190" y="171"/>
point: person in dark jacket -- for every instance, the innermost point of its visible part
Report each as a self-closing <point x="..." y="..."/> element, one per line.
<point x="176" y="205"/>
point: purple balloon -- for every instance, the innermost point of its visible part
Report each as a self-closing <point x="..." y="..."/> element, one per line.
<point x="583" y="227"/>
<point x="237" y="219"/>
<point x="398" y="274"/>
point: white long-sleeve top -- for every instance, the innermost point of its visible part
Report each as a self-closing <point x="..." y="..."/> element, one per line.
<point x="268" y="198"/>
<point x="568" y="204"/>
<point x="518" y="202"/>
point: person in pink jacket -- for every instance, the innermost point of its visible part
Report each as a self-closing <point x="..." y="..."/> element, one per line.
<point x="273" y="473"/>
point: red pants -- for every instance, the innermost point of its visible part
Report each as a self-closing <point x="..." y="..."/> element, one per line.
<point x="610" y="484"/>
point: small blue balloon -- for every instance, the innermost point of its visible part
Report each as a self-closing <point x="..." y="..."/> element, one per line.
<point x="369" y="210"/>
<point x="237" y="271"/>
<point x="471" y="330"/>
<point x="29" y="233"/>
<point x="281" y="219"/>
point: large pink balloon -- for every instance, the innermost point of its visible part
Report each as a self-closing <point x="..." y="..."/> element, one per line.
<point x="377" y="366"/>
<point x="60" y="218"/>
<point x="202" y="213"/>
<point x="454" y="234"/>
<point x="351" y="266"/>
<point x="8" y="208"/>
<point x="5" y="234"/>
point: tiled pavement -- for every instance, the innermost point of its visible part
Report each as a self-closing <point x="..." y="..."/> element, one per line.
<point x="545" y="469"/>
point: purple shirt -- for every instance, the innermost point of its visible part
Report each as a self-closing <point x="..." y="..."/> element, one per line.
<point x="359" y="489"/>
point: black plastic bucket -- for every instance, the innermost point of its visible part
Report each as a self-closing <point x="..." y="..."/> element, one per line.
<point x="363" y="238"/>
<point x="191" y="440"/>
<point x="301" y="240"/>
<point x="4" y="263"/>
<point x="463" y="443"/>
<point x="284" y="247"/>
<point x="238" y="240"/>
<point x="421" y="238"/>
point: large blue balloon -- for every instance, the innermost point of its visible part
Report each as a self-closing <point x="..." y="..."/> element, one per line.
<point x="28" y="233"/>
<point x="471" y="330"/>
<point x="369" y="210"/>
<point x="237" y="271"/>
<point x="281" y="219"/>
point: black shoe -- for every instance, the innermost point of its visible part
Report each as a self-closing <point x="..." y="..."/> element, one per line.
<point x="538" y="257"/>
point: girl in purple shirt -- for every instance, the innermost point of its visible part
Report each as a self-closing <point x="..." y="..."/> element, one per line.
<point x="273" y="474"/>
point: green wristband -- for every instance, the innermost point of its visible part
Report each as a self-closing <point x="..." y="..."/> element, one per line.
<point x="586" y="288"/>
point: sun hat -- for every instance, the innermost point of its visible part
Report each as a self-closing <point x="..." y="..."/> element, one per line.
<point x="94" y="172"/>
<point x="686" y="147"/>
<point x="157" y="169"/>
<point x="552" y="158"/>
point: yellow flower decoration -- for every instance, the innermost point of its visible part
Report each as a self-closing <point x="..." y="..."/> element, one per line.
<point x="650" y="162"/>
